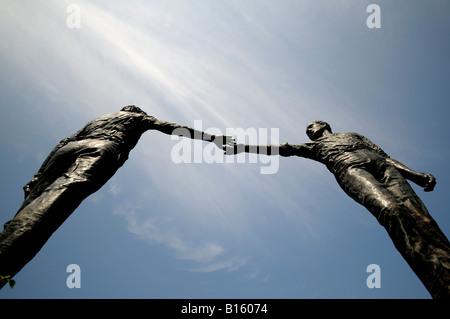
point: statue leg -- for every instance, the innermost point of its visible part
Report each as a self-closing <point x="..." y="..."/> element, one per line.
<point x="404" y="193"/>
<point x="95" y="162"/>
<point x="56" y="167"/>
<point x="425" y="246"/>
<point x="389" y="197"/>
<point x="368" y="191"/>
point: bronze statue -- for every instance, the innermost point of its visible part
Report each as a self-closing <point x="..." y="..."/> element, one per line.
<point x="77" y="167"/>
<point x="376" y="181"/>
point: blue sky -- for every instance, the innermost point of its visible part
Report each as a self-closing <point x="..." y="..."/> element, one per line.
<point x="159" y="229"/>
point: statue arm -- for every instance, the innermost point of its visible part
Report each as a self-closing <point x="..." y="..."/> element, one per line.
<point x="186" y="131"/>
<point x="255" y="149"/>
<point x="300" y="150"/>
<point x="285" y="149"/>
<point x="427" y="181"/>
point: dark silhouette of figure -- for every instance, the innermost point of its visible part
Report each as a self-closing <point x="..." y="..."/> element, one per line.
<point x="376" y="181"/>
<point x="77" y="167"/>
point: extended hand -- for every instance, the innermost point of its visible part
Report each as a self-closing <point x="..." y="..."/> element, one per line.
<point x="234" y="149"/>
<point x="430" y="182"/>
<point x="223" y="141"/>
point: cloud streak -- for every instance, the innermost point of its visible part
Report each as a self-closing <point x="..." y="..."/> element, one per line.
<point x="204" y="256"/>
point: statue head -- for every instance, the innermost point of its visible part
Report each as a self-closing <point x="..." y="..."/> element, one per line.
<point x="133" y="109"/>
<point x="315" y="129"/>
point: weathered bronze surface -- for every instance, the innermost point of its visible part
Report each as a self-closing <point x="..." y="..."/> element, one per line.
<point x="379" y="183"/>
<point x="77" y="167"/>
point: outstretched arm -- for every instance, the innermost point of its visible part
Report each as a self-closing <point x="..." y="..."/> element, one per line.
<point x="186" y="131"/>
<point x="427" y="181"/>
<point x="255" y="149"/>
<point x="285" y="149"/>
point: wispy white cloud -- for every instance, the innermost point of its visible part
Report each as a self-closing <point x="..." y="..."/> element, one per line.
<point x="200" y="255"/>
<point x="228" y="265"/>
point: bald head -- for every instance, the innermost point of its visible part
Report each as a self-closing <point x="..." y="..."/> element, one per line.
<point x="316" y="129"/>
<point x="133" y="109"/>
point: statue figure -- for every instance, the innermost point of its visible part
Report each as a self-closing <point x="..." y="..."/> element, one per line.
<point x="376" y="181"/>
<point x="77" y="167"/>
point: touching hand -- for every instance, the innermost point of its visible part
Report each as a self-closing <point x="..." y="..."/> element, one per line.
<point x="234" y="149"/>
<point x="223" y="141"/>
